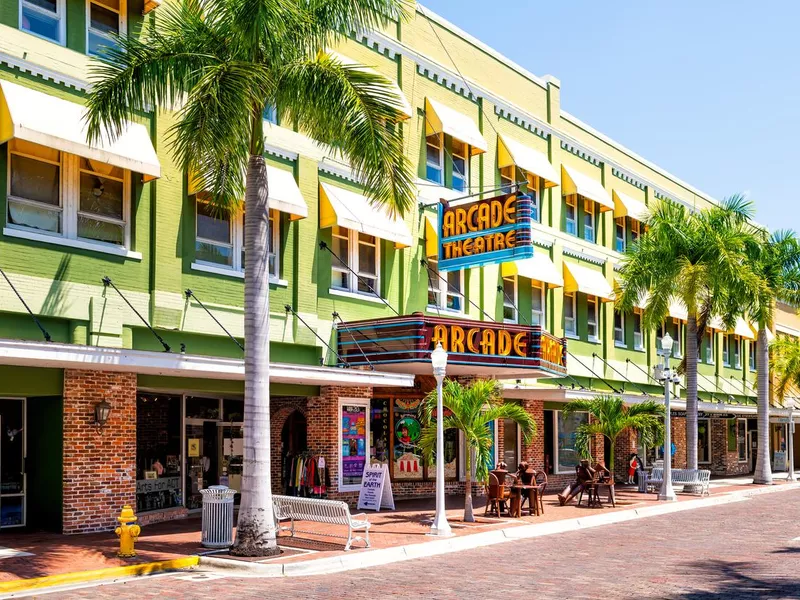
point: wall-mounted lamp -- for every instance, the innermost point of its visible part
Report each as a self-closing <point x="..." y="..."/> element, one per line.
<point x="102" y="410"/>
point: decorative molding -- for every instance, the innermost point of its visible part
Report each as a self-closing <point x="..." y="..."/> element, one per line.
<point x="547" y="244"/>
<point x="280" y="152"/>
<point x="581" y="255"/>
<point x="444" y="78"/>
<point x="338" y="170"/>
<point x="43" y="72"/>
<point x="628" y="177"/>
<point x="523" y="120"/>
<point x="582" y="152"/>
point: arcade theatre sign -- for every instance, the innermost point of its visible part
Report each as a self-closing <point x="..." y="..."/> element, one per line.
<point x="475" y="347"/>
<point x="493" y="230"/>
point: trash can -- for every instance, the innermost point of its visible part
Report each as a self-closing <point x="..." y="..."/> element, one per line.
<point x="217" y="516"/>
<point x="641" y="477"/>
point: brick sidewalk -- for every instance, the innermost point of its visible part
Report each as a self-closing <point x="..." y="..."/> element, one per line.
<point x="56" y="554"/>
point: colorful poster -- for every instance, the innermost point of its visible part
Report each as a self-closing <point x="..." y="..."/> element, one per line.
<point x="354" y="443"/>
<point x="407" y="429"/>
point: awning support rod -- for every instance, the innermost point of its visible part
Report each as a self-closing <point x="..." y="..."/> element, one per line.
<point x="46" y="335"/>
<point x="107" y="282"/>
<point x="289" y="309"/>
<point x="425" y="264"/>
<point x="324" y="246"/>
<point x="618" y="372"/>
<point x="656" y="381"/>
<point x="615" y="390"/>
<point x="191" y="294"/>
<point x="336" y="315"/>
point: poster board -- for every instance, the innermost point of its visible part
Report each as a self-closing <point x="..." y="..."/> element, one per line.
<point x="376" y="489"/>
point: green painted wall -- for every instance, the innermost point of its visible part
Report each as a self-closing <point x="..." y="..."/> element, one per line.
<point x="29" y="381"/>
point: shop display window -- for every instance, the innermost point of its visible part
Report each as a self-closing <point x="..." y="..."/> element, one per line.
<point x="567" y="455"/>
<point x="408" y="461"/>
<point x="354" y="436"/>
<point x="158" y="452"/>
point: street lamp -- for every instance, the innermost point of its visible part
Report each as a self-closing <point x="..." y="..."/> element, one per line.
<point x="790" y="429"/>
<point x="664" y="375"/>
<point x="440" y="526"/>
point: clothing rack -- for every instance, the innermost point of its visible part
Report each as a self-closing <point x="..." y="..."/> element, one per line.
<point x="306" y="474"/>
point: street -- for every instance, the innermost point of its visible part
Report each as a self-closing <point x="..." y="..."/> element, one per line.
<point x="741" y="550"/>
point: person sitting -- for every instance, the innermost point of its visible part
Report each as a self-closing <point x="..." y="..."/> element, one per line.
<point x="525" y="473"/>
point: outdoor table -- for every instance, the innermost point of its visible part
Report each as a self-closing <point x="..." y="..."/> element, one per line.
<point x="533" y="501"/>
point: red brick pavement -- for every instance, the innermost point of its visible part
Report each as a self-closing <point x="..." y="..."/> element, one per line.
<point x="742" y="550"/>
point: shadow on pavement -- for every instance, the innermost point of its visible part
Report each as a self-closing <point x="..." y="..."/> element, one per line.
<point x="738" y="580"/>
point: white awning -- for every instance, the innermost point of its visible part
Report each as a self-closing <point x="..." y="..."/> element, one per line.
<point x="431" y="193"/>
<point x="586" y="281"/>
<point x="678" y="310"/>
<point x="716" y="323"/>
<point x="353" y="211"/>
<point x="538" y="268"/>
<point x="405" y="106"/>
<point x="575" y="182"/>
<point x="443" y="119"/>
<point x="511" y="152"/>
<point x="625" y="206"/>
<point x="36" y="117"/>
<point x="743" y="329"/>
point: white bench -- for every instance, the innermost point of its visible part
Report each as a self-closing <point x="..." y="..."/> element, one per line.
<point x="686" y="477"/>
<point x="333" y="512"/>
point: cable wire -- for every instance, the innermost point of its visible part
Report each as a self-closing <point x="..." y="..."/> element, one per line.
<point x="46" y="335"/>
<point x="107" y="282"/>
<point x="190" y="294"/>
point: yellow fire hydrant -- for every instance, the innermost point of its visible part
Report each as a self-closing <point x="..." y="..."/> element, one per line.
<point x="128" y="532"/>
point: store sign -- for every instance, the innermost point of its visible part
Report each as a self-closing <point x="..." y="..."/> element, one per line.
<point x="493" y="230"/>
<point x="376" y="489"/>
<point x="701" y="414"/>
<point x="165" y="484"/>
<point x="485" y="346"/>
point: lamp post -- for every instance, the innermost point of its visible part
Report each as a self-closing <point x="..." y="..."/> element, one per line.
<point x="790" y="430"/>
<point x="667" y="493"/>
<point x="440" y="526"/>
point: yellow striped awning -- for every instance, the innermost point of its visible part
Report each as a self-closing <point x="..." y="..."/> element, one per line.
<point x="513" y="153"/>
<point x="538" y="268"/>
<point x="626" y="206"/>
<point x="575" y="182"/>
<point x="587" y="281"/>
<point x="443" y="119"/>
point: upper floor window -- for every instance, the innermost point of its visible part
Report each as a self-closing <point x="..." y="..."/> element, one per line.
<point x="709" y="344"/>
<point x="105" y="18"/>
<point x="619" y="329"/>
<point x="460" y="166"/>
<point x="752" y="358"/>
<point x="571" y="215"/>
<point x="445" y="290"/>
<point x="44" y="18"/>
<point x="533" y="191"/>
<point x="588" y="220"/>
<point x="675" y="330"/>
<point x="619" y="233"/>
<point x="270" y="114"/>
<point x="569" y="314"/>
<point x="592" y="319"/>
<point x="736" y="348"/>
<point x="636" y="228"/>
<point x="507" y="179"/>
<point x="434" y="158"/>
<point x="67" y="196"/>
<point x="538" y="310"/>
<point x="726" y="354"/>
<point x="361" y="256"/>
<point x="510" y="299"/>
<point x="638" y="338"/>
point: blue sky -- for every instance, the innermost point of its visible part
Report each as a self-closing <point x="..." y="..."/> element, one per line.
<point x="709" y="90"/>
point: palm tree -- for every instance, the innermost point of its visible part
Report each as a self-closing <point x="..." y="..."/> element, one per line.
<point x="786" y="365"/>
<point x="610" y="417"/>
<point x="219" y="64"/>
<point x="776" y="261"/>
<point x="472" y="409"/>
<point x="698" y="258"/>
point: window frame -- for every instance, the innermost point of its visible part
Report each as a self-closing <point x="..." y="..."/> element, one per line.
<point x="619" y="341"/>
<point x="572" y="298"/>
<point x="440" y="167"/>
<point x="635" y="228"/>
<point x="638" y="334"/>
<point x="126" y="207"/>
<point x="737" y="352"/>
<point x="592" y="322"/>
<point x="726" y="355"/>
<point x="353" y="244"/>
<point x="556" y="457"/>
<point x="620" y="241"/>
<point x="708" y="441"/>
<point x="515" y="308"/>
<point x="440" y="287"/>
<point x="590" y="216"/>
<point x="571" y="202"/>
<point x="121" y="13"/>
<point x="709" y="358"/>
<point x="506" y="181"/>
<point x="752" y="358"/>
<point x="533" y="191"/>
<point x="61" y="13"/>
<point x="465" y="157"/>
<point x="740" y="421"/>
<point x="540" y="289"/>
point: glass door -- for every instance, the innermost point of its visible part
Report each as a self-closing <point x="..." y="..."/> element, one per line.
<point x="12" y="463"/>
<point x="510" y="445"/>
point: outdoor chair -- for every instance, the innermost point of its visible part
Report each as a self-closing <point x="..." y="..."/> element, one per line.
<point x="497" y="496"/>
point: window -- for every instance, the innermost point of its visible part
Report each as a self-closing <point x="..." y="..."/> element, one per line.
<point x="638" y="339"/>
<point x="434" y="159"/>
<point x="710" y="348"/>
<point x="591" y="319"/>
<point x="510" y="299"/>
<point x="676" y="333"/>
<point x="533" y="190"/>
<point x="354" y="439"/>
<point x="507" y="179"/>
<point x="619" y="229"/>
<point x="460" y="166"/>
<point x="741" y="439"/>
<point x="567" y="456"/>
<point x="105" y="18"/>
<point x="752" y="357"/>
<point x="219" y="239"/>
<point x="619" y="329"/>
<point x="360" y="252"/>
<point x="588" y="220"/>
<point x="445" y="290"/>
<point x="270" y="114"/>
<point x="569" y="314"/>
<point x="44" y="18"/>
<point x="538" y="304"/>
<point x="635" y="229"/>
<point x="704" y="440"/>
<point x="67" y="196"/>
<point x="725" y="350"/>
<point x="570" y="216"/>
<point x="736" y="350"/>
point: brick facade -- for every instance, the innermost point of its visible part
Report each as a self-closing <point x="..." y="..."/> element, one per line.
<point x="678" y="426"/>
<point x="723" y="461"/>
<point x="99" y="466"/>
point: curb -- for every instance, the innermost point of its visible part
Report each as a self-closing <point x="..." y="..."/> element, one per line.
<point x="27" y="585"/>
<point x="372" y="558"/>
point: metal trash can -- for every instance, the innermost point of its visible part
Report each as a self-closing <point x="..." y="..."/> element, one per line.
<point x="217" y="516"/>
<point x="642" y="479"/>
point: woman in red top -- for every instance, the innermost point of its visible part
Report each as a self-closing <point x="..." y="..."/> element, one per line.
<point x="633" y="463"/>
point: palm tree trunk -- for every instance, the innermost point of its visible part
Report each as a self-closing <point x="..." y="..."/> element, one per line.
<point x="612" y="447"/>
<point x="469" y="516"/>
<point x="763" y="472"/>
<point x="691" y="395"/>
<point x="255" y="533"/>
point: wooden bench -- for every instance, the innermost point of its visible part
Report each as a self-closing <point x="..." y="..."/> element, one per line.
<point x="687" y="477"/>
<point x="332" y="512"/>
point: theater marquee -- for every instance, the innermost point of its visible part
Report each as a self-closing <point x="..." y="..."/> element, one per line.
<point x="474" y="347"/>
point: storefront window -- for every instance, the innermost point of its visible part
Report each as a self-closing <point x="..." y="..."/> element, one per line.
<point x="741" y="439"/>
<point x="158" y="452"/>
<point x="407" y="429"/>
<point x="12" y="463"/>
<point x="567" y="456"/>
<point x="354" y="443"/>
<point x="704" y="440"/>
<point x="379" y="432"/>
<point x="450" y="449"/>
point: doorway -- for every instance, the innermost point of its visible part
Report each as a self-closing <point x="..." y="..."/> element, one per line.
<point x="294" y="440"/>
<point x="752" y="444"/>
<point x="12" y="463"/>
<point x="511" y="445"/>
